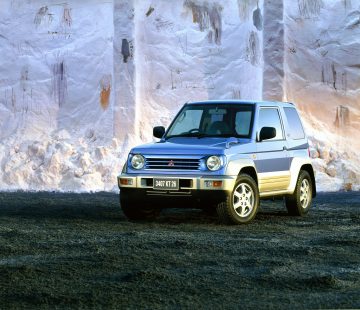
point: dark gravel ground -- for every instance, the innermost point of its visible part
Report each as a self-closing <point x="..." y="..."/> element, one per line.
<point x="78" y="251"/>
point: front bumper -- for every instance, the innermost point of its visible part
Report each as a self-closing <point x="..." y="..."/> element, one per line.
<point x="186" y="182"/>
<point x="193" y="191"/>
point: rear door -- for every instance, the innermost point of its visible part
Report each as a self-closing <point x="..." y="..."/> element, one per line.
<point x="272" y="161"/>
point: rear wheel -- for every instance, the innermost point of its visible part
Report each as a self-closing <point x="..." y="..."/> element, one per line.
<point x="136" y="212"/>
<point x="242" y="203"/>
<point x="299" y="202"/>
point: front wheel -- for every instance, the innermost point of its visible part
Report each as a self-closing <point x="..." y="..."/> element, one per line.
<point x="300" y="201"/>
<point x="242" y="203"/>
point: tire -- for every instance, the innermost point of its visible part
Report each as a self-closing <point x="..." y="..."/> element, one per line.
<point x="299" y="202"/>
<point x="136" y="212"/>
<point x="242" y="203"/>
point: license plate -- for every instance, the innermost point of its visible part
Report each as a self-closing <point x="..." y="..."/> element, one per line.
<point x="168" y="184"/>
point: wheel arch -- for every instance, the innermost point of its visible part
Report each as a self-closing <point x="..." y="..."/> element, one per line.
<point x="308" y="168"/>
<point x="250" y="170"/>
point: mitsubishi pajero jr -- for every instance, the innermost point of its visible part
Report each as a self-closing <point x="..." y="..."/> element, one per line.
<point x="223" y="156"/>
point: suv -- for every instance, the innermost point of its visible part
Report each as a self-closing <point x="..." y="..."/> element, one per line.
<point x="223" y="155"/>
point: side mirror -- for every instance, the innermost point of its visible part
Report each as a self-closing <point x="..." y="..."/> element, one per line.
<point x="158" y="132"/>
<point x="267" y="133"/>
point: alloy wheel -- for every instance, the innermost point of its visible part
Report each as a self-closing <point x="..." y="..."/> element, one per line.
<point x="243" y="200"/>
<point x="304" y="193"/>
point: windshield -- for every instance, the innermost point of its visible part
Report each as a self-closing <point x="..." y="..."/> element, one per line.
<point x="213" y="120"/>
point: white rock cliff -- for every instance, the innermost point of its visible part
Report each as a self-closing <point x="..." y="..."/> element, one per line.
<point x="83" y="82"/>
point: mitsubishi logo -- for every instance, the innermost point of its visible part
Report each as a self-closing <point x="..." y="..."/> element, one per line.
<point x="171" y="163"/>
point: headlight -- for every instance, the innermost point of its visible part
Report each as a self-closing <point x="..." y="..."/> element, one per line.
<point x="138" y="162"/>
<point x="214" y="163"/>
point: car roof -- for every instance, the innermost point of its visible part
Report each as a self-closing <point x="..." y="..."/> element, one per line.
<point x="254" y="102"/>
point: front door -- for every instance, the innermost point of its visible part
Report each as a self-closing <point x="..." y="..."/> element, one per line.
<point x="272" y="161"/>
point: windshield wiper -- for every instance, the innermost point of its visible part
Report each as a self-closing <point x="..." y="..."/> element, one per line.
<point x="200" y="135"/>
<point x="190" y="134"/>
<point x="224" y="135"/>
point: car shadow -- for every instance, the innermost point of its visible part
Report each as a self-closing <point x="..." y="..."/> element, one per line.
<point x="104" y="206"/>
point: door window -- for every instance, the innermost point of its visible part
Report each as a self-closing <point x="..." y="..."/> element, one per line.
<point x="270" y="117"/>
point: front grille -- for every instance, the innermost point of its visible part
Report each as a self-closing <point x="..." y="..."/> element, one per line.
<point x="172" y="164"/>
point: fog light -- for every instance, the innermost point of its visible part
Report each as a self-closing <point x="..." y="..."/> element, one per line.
<point x="124" y="181"/>
<point x="217" y="183"/>
<point x="213" y="184"/>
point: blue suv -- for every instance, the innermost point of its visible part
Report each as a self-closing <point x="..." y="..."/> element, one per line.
<point x="223" y="156"/>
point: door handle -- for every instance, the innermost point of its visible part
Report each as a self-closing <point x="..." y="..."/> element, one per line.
<point x="285" y="148"/>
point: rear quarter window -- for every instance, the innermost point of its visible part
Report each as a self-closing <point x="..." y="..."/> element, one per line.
<point x="295" y="129"/>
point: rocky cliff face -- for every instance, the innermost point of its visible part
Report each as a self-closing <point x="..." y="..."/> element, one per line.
<point x="322" y="52"/>
<point x="80" y="84"/>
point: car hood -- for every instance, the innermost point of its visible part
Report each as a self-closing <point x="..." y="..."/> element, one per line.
<point x="188" y="146"/>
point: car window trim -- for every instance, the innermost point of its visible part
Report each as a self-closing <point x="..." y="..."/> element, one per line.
<point x="281" y="123"/>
